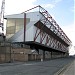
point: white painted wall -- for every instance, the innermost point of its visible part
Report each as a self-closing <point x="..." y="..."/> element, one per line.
<point x="34" y="16"/>
<point x="29" y="32"/>
<point x="30" y="28"/>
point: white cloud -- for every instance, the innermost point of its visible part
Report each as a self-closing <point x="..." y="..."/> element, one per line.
<point x="72" y="9"/>
<point x="57" y="1"/>
<point x="48" y="5"/>
<point x="52" y="4"/>
<point x="17" y="6"/>
<point x="72" y="51"/>
<point x="70" y="32"/>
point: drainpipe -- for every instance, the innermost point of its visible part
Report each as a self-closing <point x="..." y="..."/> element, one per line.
<point x="24" y="26"/>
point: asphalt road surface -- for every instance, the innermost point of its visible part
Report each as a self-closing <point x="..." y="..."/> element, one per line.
<point x="70" y="70"/>
<point x="49" y="67"/>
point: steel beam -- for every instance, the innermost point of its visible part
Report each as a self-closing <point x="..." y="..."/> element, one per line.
<point x="51" y="40"/>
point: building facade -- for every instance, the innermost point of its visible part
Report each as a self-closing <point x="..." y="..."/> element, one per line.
<point x="38" y="30"/>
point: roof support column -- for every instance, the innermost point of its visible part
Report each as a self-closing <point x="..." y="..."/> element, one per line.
<point x="43" y="55"/>
<point x="51" y="54"/>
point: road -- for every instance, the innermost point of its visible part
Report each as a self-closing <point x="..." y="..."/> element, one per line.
<point x="70" y="70"/>
<point x="49" y="67"/>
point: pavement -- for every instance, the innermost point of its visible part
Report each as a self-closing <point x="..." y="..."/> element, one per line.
<point x="49" y="67"/>
<point x="70" y="70"/>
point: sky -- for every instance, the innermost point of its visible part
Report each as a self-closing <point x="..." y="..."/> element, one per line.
<point x="61" y="10"/>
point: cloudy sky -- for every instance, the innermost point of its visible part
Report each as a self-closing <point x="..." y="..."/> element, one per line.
<point x="61" y="10"/>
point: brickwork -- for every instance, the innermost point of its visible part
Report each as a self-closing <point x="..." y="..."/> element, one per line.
<point x="8" y="53"/>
